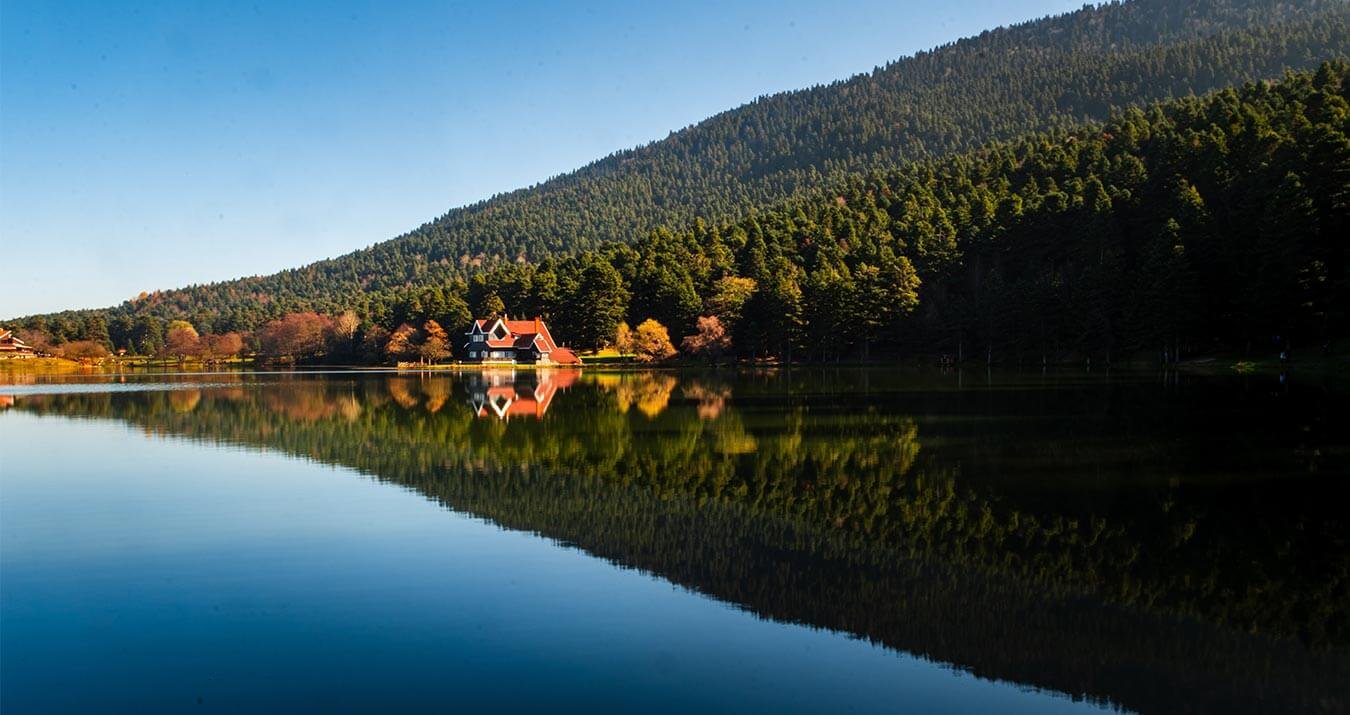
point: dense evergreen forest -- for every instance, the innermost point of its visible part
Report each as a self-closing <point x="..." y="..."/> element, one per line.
<point x="1160" y="579"/>
<point x="1171" y="230"/>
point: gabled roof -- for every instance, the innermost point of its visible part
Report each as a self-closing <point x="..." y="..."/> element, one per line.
<point x="520" y="334"/>
<point x="8" y="341"/>
<point x="547" y="337"/>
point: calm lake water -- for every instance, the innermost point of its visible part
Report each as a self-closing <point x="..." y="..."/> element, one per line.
<point x="811" y="540"/>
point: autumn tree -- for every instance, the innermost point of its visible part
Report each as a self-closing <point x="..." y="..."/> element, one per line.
<point x="623" y="339"/>
<point x="225" y="345"/>
<point x="435" y="343"/>
<point x="651" y="342"/>
<point x="710" y="342"/>
<point x="83" y="350"/>
<point x="402" y="343"/>
<point x="181" y="340"/>
<point x="295" y="336"/>
<point x="37" y="339"/>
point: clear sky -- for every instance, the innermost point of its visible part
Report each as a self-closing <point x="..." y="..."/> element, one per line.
<point x="149" y="145"/>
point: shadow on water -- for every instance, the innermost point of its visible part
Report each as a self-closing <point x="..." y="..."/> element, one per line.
<point x="1158" y="543"/>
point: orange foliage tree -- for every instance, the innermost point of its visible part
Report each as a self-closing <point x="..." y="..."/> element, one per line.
<point x="295" y="336"/>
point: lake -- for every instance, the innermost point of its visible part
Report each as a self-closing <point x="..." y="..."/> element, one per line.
<point x="812" y="540"/>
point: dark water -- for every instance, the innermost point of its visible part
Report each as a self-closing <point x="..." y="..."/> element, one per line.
<point x="842" y="540"/>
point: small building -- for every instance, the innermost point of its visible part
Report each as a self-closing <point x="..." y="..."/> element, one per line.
<point x="515" y="342"/>
<point x="12" y="347"/>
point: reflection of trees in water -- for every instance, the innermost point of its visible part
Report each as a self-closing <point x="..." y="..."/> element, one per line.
<point x="437" y="394"/>
<point x="348" y="407"/>
<point x="835" y="516"/>
<point x="301" y="405"/>
<point x="184" y="400"/>
<point x="405" y="391"/>
<point x="712" y="398"/>
<point x="420" y="392"/>
<point x="648" y="392"/>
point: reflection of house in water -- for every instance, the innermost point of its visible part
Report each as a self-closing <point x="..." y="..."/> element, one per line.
<point x="507" y="393"/>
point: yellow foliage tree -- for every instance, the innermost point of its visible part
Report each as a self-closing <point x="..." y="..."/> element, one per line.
<point x="651" y="342"/>
<point x="623" y="339"/>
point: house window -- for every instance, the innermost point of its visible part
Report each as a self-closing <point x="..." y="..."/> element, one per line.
<point x="500" y="332"/>
<point x="473" y="353"/>
<point x="478" y="338"/>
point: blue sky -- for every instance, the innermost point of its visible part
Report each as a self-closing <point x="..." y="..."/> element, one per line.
<point x="149" y="145"/>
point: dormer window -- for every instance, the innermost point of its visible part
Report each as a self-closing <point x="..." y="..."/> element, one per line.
<point x="499" y="332"/>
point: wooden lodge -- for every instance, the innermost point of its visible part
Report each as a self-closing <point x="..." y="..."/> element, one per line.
<point x="12" y="347"/>
<point x="515" y="342"/>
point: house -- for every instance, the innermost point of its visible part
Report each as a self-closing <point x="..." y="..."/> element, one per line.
<point x="12" y="347"/>
<point x="504" y="394"/>
<point x="515" y="342"/>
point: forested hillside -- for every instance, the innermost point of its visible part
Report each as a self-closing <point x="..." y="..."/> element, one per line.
<point x="1047" y="75"/>
<point x="1191" y="226"/>
<point x="1195" y="225"/>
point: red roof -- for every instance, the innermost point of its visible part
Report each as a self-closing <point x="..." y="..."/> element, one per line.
<point x="521" y="334"/>
<point x="564" y="356"/>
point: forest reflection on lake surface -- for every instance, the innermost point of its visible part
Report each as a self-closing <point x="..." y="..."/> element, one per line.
<point x="790" y="539"/>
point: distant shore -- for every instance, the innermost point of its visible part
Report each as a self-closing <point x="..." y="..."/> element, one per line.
<point x="1211" y="365"/>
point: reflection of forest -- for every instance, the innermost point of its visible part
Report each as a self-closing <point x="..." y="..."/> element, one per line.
<point x="810" y="499"/>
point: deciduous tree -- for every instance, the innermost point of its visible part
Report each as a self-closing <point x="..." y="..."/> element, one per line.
<point x="295" y="336"/>
<point x="651" y="342"/>
<point x="623" y="339"/>
<point x="435" y="343"/>
<point x="402" y="344"/>
<point x="225" y="345"/>
<point x="181" y="340"/>
<point x="710" y="342"/>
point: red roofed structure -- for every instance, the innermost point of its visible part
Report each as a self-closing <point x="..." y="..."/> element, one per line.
<point x="515" y="342"/>
<point x="12" y="346"/>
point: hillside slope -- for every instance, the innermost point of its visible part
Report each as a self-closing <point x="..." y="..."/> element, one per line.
<point x="1047" y="74"/>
